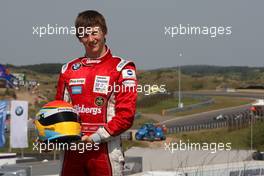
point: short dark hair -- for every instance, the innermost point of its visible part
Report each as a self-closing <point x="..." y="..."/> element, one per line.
<point x="90" y="18"/>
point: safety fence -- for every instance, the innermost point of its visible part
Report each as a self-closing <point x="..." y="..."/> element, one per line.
<point x="196" y="127"/>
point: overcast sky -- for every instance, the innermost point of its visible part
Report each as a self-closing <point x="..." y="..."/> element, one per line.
<point x="137" y="31"/>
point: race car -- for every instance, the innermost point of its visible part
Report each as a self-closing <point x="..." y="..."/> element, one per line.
<point x="150" y="132"/>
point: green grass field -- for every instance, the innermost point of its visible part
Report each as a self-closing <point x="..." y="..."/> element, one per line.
<point x="239" y="139"/>
<point x="220" y="103"/>
<point x="166" y="104"/>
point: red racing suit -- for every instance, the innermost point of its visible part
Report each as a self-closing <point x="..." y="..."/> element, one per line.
<point x="103" y="91"/>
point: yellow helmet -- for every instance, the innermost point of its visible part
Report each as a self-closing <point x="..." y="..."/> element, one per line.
<point x="57" y="121"/>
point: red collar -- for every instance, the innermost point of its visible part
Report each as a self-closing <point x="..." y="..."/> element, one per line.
<point x="88" y="62"/>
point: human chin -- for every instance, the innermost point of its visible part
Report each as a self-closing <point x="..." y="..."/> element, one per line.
<point x="93" y="50"/>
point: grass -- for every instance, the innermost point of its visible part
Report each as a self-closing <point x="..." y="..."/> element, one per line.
<point x="7" y="93"/>
<point x="237" y="138"/>
<point x="220" y="103"/>
<point x="142" y="120"/>
<point x="167" y="104"/>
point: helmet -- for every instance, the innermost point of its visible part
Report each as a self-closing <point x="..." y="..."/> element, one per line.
<point x="57" y="121"/>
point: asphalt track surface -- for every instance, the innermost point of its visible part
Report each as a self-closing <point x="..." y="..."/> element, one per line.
<point x="209" y="116"/>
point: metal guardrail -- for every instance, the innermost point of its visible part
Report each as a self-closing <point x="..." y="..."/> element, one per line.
<point x="196" y="127"/>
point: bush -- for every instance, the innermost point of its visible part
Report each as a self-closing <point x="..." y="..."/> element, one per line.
<point x="258" y="136"/>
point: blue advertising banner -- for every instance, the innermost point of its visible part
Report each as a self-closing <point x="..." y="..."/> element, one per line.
<point x="3" y="109"/>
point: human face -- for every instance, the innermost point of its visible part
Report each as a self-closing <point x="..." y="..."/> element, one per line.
<point x="94" y="43"/>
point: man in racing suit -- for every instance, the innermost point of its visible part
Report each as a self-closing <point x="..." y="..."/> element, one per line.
<point x="102" y="88"/>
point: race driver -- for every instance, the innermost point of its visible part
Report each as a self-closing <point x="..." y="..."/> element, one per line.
<point x="102" y="88"/>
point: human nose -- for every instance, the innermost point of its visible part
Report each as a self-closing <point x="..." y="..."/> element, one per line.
<point x="90" y="38"/>
<point x="87" y="38"/>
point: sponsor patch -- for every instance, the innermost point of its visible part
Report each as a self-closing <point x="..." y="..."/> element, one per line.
<point x="76" y="90"/>
<point x="99" y="101"/>
<point x="78" y="81"/>
<point x="76" y="66"/>
<point x="86" y="61"/>
<point x="121" y="65"/>
<point x="87" y="110"/>
<point x="65" y="109"/>
<point x="64" y="68"/>
<point x="101" y="84"/>
<point x="128" y="74"/>
<point x="129" y="83"/>
<point x="66" y="96"/>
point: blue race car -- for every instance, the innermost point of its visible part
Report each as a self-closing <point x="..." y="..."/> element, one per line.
<point x="150" y="132"/>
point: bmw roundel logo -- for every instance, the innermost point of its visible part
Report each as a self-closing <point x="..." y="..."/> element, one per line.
<point x="76" y="66"/>
<point x="129" y="72"/>
<point x="19" y="111"/>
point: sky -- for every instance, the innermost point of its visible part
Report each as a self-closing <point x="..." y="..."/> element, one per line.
<point x="138" y="31"/>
